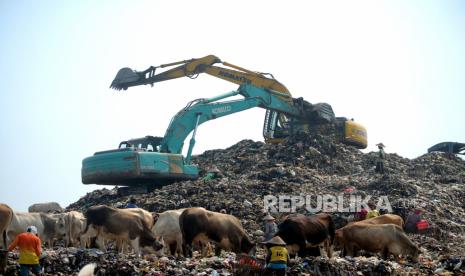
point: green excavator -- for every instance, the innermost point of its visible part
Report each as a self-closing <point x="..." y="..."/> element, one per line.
<point x="157" y="161"/>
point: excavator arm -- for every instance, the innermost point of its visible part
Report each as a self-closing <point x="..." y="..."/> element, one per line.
<point x="203" y="110"/>
<point x="127" y="77"/>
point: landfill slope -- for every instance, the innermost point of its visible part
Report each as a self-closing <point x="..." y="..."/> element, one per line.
<point x="306" y="165"/>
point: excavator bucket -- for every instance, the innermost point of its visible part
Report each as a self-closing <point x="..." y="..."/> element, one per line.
<point x="124" y="78"/>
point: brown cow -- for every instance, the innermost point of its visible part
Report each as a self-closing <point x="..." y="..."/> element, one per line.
<point x="6" y="215"/>
<point x="304" y="233"/>
<point x="383" y="219"/>
<point x="225" y="231"/>
<point x="110" y="223"/>
<point x="384" y="238"/>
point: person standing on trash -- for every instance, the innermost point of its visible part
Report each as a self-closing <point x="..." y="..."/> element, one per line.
<point x="270" y="227"/>
<point x="361" y="215"/>
<point x="381" y="157"/>
<point x="373" y="211"/>
<point x="132" y="203"/>
<point x="412" y="219"/>
<point x="29" y="251"/>
<point x="277" y="258"/>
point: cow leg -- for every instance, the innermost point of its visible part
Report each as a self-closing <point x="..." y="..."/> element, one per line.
<point x="85" y="237"/>
<point x="101" y="243"/>
<point x="302" y="248"/>
<point x="173" y="246"/>
<point x="135" y="246"/>
<point x="50" y="243"/>
<point x="119" y="246"/>
<point x="178" y="248"/>
<point x="178" y="242"/>
<point x="385" y="253"/>
<point x="343" y="251"/>
<point x="187" y="246"/>
<point x="5" y="244"/>
<point x="217" y="249"/>
<point x="10" y="235"/>
<point x="329" y="248"/>
<point x="350" y="250"/>
<point x="203" y="248"/>
<point x="122" y="246"/>
<point x="208" y="248"/>
<point x="323" y="251"/>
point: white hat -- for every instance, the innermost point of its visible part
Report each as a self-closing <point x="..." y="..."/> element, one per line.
<point x="276" y="240"/>
<point x="32" y="229"/>
<point x="268" y="217"/>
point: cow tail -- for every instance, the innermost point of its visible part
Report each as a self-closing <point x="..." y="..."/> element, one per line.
<point x="87" y="225"/>
<point x="332" y="230"/>
<point x="5" y="232"/>
<point x="68" y="222"/>
<point x="4" y="239"/>
<point x="185" y="250"/>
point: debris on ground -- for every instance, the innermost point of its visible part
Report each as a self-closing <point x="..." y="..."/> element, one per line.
<point x="302" y="165"/>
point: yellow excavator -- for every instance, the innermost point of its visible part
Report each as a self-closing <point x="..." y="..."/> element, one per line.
<point x="277" y="126"/>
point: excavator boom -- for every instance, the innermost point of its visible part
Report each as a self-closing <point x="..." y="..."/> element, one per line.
<point x="127" y="77"/>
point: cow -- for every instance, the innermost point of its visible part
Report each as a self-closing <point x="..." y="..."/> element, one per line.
<point x="47" y="207"/>
<point x="225" y="231"/>
<point x="146" y="217"/>
<point x="105" y="222"/>
<point x="304" y="233"/>
<point x="383" y="219"/>
<point x="167" y="227"/>
<point x="49" y="226"/>
<point x="6" y="215"/>
<point x="384" y="238"/>
<point x="75" y="224"/>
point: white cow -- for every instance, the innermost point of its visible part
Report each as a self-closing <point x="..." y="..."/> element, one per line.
<point x="167" y="227"/>
<point x="49" y="226"/>
<point x="75" y="224"/>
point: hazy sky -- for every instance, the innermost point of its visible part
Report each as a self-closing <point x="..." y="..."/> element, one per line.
<point x="397" y="67"/>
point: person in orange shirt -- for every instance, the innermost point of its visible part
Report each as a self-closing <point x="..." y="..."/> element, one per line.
<point x="29" y="251"/>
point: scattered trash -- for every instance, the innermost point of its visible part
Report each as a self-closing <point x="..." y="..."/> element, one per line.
<point x="303" y="165"/>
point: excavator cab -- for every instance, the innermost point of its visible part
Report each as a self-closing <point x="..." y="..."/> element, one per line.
<point x="136" y="162"/>
<point x="147" y="143"/>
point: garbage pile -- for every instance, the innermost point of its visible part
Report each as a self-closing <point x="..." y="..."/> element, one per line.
<point x="316" y="165"/>
<point x="68" y="261"/>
